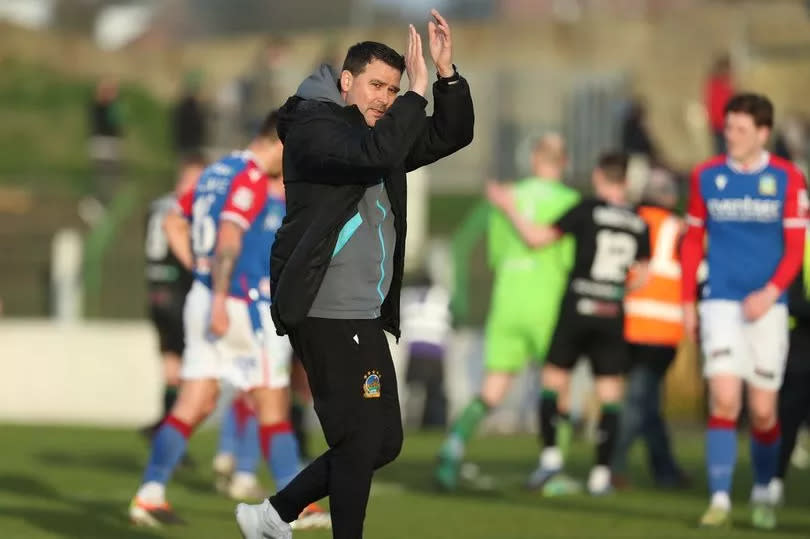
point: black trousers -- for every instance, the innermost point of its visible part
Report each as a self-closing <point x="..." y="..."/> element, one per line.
<point x="428" y="372"/>
<point x="794" y="396"/>
<point x="354" y="392"/>
<point x="794" y="406"/>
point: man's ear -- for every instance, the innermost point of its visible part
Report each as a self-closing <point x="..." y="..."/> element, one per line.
<point x="764" y="134"/>
<point x="346" y="80"/>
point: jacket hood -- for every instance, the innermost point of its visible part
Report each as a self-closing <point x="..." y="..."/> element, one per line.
<point x="319" y="88"/>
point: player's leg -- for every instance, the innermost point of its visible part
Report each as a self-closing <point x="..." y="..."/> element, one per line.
<point x="637" y="401"/>
<point x="169" y="326"/>
<point x="556" y="382"/>
<point x="610" y="359"/>
<point x="224" y="462"/>
<point x="242" y="483"/>
<point x="610" y="392"/>
<point x="768" y="340"/>
<point x="196" y="400"/>
<point x="268" y="380"/>
<point x="725" y="402"/>
<point x="276" y="437"/>
<point x="172" y="365"/>
<point x="564" y="350"/>
<point x="766" y="438"/>
<point x="280" y="446"/>
<point x="666" y="471"/>
<point x="727" y="360"/>
<point x="172" y="344"/>
<point x="540" y="334"/>
<point x="454" y="447"/>
<point x="794" y="403"/>
<point x="505" y="352"/>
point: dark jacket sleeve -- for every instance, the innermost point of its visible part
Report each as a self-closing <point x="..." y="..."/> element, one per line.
<point x="449" y="129"/>
<point x="327" y="141"/>
<point x="798" y="304"/>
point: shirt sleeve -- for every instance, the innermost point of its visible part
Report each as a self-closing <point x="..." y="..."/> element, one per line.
<point x="643" y="253"/>
<point x="571" y="221"/>
<point x="183" y="204"/>
<point x="247" y="197"/>
<point x="692" y="244"/>
<point x="794" y="224"/>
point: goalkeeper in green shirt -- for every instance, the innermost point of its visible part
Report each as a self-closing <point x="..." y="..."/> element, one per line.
<point x="528" y="286"/>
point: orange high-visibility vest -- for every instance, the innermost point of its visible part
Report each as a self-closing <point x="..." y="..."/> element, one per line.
<point x="653" y="313"/>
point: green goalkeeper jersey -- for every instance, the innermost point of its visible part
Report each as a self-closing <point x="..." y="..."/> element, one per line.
<point x="520" y="271"/>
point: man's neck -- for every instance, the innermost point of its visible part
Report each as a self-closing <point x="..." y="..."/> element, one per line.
<point x="614" y="197"/>
<point x="548" y="174"/>
<point x="256" y="156"/>
<point x="276" y="187"/>
<point x="752" y="162"/>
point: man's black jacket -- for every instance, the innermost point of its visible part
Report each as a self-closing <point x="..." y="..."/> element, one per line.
<point x="330" y="157"/>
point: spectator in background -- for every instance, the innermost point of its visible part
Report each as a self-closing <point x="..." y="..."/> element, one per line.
<point x="260" y="88"/>
<point x="717" y="92"/>
<point x="189" y="119"/>
<point x="639" y="147"/>
<point x="653" y="327"/>
<point x="792" y="141"/>
<point x="794" y="397"/>
<point x="106" y="132"/>
<point x="425" y="329"/>
<point x="636" y="139"/>
<point x="168" y="280"/>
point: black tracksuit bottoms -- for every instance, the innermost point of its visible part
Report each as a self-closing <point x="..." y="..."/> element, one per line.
<point x="354" y="390"/>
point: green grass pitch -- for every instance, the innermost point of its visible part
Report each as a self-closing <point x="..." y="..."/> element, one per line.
<point x="60" y="482"/>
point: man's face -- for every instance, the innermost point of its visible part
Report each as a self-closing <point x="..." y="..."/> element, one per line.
<point x="275" y="158"/>
<point x="744" y="139"/>
<point x="601" y="183"/>
<point x="373" y="90"/>
<point x="598" y="181"/>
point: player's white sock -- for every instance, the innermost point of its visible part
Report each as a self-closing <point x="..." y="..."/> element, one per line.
<point x="152" y="493"/>
<point x="761" y="494"/>
<point x="224" y="463"/>
<point x="721" y="500"/>
<point x="776" y="488"/>
<point x="551" y="458"/>
<point x="599" y="480"/>
<point x="244" y="479"/>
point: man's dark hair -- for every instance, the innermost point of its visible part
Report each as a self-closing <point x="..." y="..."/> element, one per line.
<point x="362" y="54"/>
<point x="193" y="159"/>
<point x="269" y="127"/>
<point x="614" y="166"/>
<point x="757" y="106"/>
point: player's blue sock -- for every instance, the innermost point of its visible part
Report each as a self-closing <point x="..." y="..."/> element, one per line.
<point x="280" y="450"/>
<point x="721" y="453"/>
<point x="168" y="447"/>
<point x="765" y="448"/>
<point x="247" y="451"/>
<point x="228" y="431"/>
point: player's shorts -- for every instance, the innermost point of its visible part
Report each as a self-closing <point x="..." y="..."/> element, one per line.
<point x="600" y="340"/>
<point x="754" y="351"/>
<point x="247" y="356"/>
<point x="168" y="321"/>
<point x="515" y="337"/>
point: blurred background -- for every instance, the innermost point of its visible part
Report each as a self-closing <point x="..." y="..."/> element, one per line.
<point x="101" y="99"/>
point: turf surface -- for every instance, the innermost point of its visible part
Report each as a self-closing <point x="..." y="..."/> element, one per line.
<point x="76" y="482"/>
